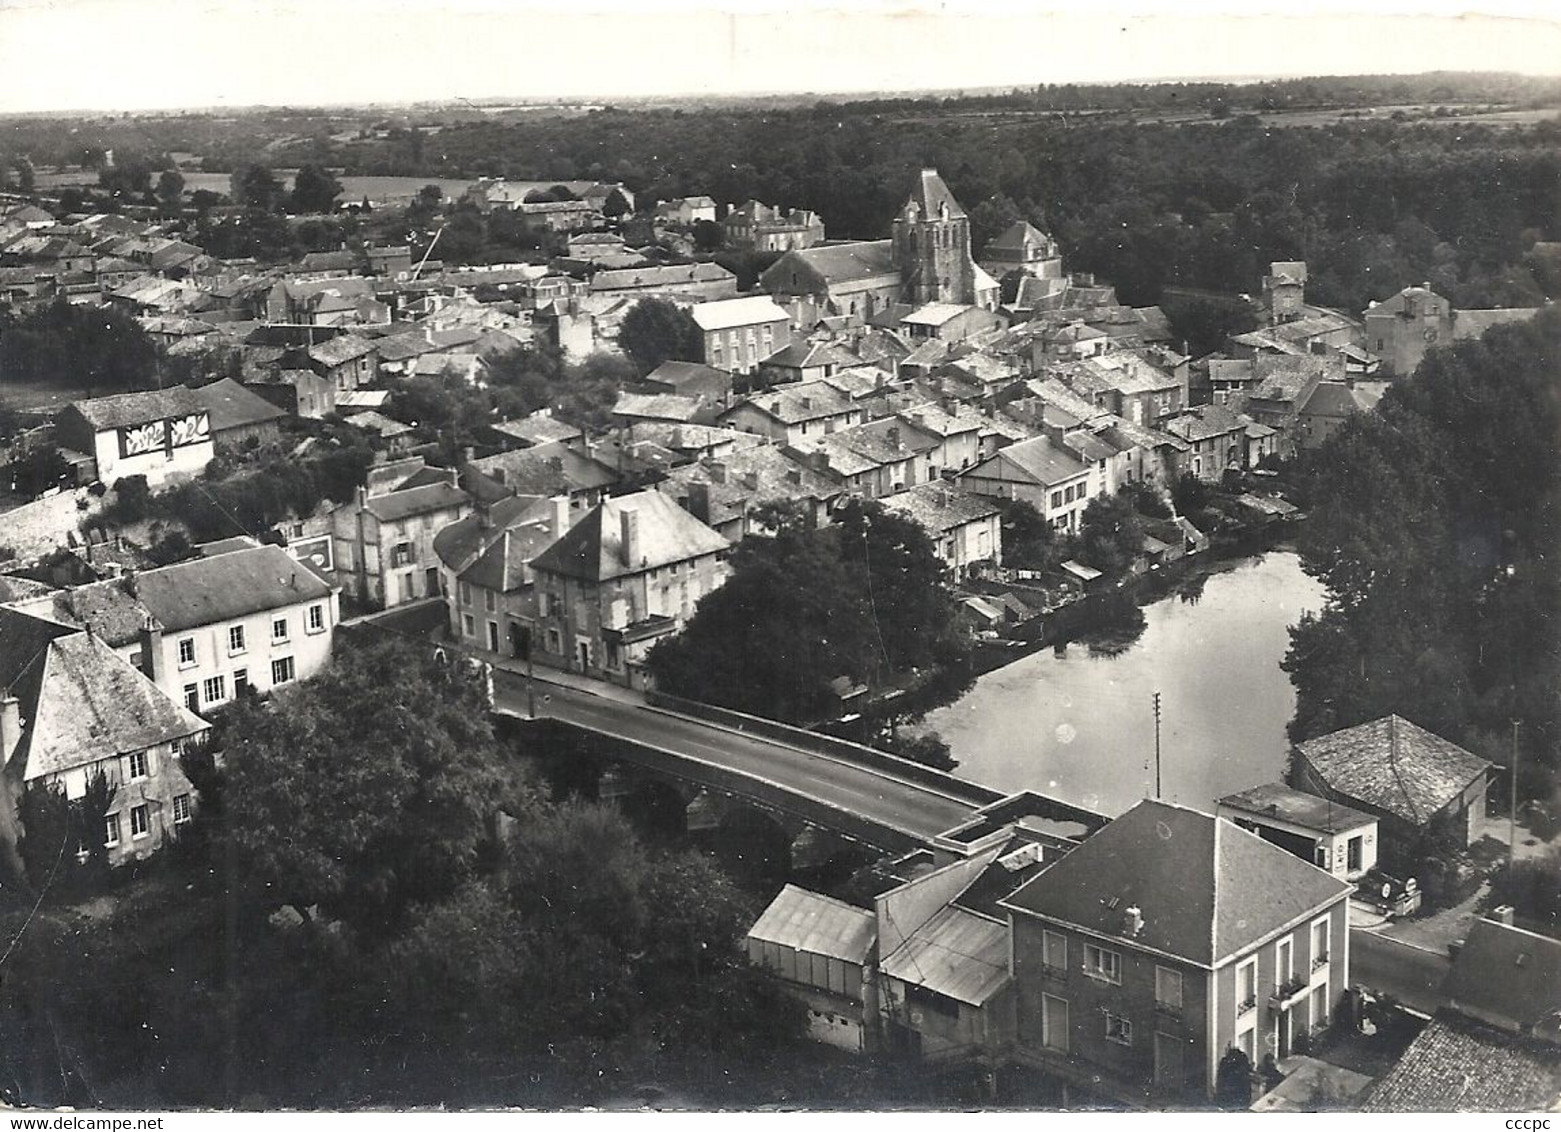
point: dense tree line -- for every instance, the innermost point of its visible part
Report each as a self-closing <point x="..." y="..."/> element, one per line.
<point x="1435" y="524"/>
<point x="376" y="905"/>
<point x="98" y="349"/>
<point x="864" y="598"/>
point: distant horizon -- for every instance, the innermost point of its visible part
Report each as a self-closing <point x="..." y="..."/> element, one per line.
<point x="628" y="100"/>
<point x="218" y="56"/>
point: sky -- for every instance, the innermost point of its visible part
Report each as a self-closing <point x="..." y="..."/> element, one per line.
<point x="157" y="54"/>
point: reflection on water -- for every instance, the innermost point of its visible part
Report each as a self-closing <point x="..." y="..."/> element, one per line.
<point x="1078" y="722"/>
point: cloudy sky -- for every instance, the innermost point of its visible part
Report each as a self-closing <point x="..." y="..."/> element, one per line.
<point x="147" y="54"/>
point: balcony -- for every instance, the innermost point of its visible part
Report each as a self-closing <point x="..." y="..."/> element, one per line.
<point x="1246" y="1006"/>
<point x="1291" y="991"/>
<point x="1052" y="971"/>
<point x="1319" y="963"/>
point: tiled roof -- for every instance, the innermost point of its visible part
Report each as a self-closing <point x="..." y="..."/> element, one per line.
<point x="836" y="263"/>
<point x="935" y="314"/>
<point x="1276" y="800"/>
<point x="106" y="607"/>
<point x="724" y="314"/>
<point x="1016" y="236"/>
<point x="1332" y="399"/>
<point x="127" y="409"/>
<point x="208" y="591"/>
<point x="593" y="548"/>
<point x="1456" y="1065"/>
<point x="665" y="276"/>
<point x="538" y="428"/>
<point x="1473" y="324"/>
<point x="394" y="506"/>
<point x="819" y="925"/>
<point x="547" y="469"/>
<point x="656" y="406"/>
<point x="501" y="567"/>
<point x="1507" y="977"/>
<point x="378" y="423"/>
<point x="742" y="480"/>
<point x="1205" y="889"/>
<point x="82" y="701"/>
<point x="938" y="508"/>
<point x="929" y="194"/>
<point x="458" y="543"/>
<point x="1392" y="765"/>
<point x="804" y="401"/>
<point x="956" y="953"/>
<point x="1204" y="422"/>
<point x="342" y="348"/>
<point x="1038" y="458"/>
<point x="230" y="405"/>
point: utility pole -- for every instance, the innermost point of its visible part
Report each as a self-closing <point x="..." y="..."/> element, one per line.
<point x="1512" y="817"/>
<point x="1157" y="746"/>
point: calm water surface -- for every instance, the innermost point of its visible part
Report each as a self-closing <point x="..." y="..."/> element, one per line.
<point x="1079" y="724"/>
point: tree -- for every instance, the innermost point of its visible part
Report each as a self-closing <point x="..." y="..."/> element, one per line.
<point x="862" y="598"/>
<point x="616" y="206"/>
<point x="657" y="330"/>
<point x="170" y="189"/>
<point x="1029" y="542"/>
<point x="367" y="789"/>
<point x="68" y="347"/>
<point x="708" y="235"/>
<point x="256" y="187"/>
<point x="1111" y="534"/>
<point x="314" y="190"/>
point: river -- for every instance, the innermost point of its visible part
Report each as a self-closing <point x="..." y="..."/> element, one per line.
<point x="1077" y="722"/>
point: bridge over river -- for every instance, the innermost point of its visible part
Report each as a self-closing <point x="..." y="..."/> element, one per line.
<point x="858" y="792"/>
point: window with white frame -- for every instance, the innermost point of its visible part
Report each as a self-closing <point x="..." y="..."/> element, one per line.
<point x="138" y="765"/>
<point x="186" y="652"/>
<point x="1167" y="990"/>
<point x="468" y="625"/>
<point x="315" y="622"/>
<point x="111" y="830"/>
<point x="140" y="821"/>
<point x="1246" y="1042"/>
<point x="1102" y="963"/>
<point x="1246" y="987"/>
<point x="1118" y="1029"/>
<point x="464" y="589"/>
<point x="281" y="670"/>
<point x="279" y="629"/>
<point x="181" y="809"/>
<point x="1319" y="1007"/>
<point x="235" y="639"/>
<point x="1319" y="942"/>
<point x="214" y="689"/>
<point x="489" y="602"/>
<point x="1284" y="961"/>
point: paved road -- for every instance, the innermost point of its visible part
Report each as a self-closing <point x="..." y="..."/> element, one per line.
<point x="1410" y="974"/>
<point x="827" y="783"/>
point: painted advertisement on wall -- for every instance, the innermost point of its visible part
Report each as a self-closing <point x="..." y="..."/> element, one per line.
<point x="157" y="436"/>
<point x="315" y="551"/>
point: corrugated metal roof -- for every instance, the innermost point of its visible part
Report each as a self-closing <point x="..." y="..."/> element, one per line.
<point x="956" y="954"/>
<point x="817" y="924"/>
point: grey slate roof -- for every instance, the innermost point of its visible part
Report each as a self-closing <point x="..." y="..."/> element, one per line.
<point x="1205" y="888"/>
<point x="82" y="702"/>
<point x="593" y="549"/>
<point x="394" y="506"/>
<point x="207" y="591"/>
<point x="1394" y="766"/>
<point x="939" y="508"/>
<point x="230" y="406"/>
<point x="1507" y="977"/>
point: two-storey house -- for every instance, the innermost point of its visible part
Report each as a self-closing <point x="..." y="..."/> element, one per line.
<point x="740" y="333"/>
<point x="966" y="529"/>
<point x="1216" y="440"/>
<point x="70" y="709"/>
<point x="627" y="574"/>
<point x="1051" y="479"/>
<point x="384" y="544"/>
<point x="792" y="414"/>
<point x="1163" y="941"/>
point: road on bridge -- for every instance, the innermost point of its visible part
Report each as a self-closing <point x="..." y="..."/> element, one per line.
<point x="878" y="796"/>
<point x="1412" y="975"/>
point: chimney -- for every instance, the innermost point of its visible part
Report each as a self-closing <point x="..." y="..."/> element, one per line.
<point x="699" y="500"/>
<point x="10" y="724"/>
<point x="629" y="532"/>
<point x="1135" y="921"/>
<point x="807" y="404"/>
<point x="363" y="496"/>
<point x="1501" y="914"/>
<point x="717" y="470"/>
<point x="794" y="475"/>
<point x="751" y="481"/>
<point x="468" y="454"/>
<point x="558" y="517"/>
<point x="498" y="475"/>
<point x="894" y="436"/>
